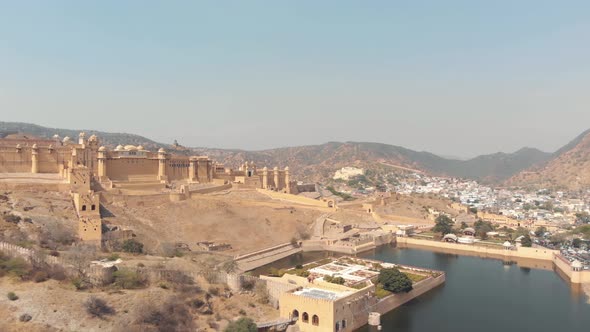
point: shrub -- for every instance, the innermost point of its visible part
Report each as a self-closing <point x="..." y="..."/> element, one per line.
<point x="40" y="276"/>
<point x="15" y="266"/>
<point x="248" y="284"/>
<point x="214" y="291"/>
<point x="113" y="257"/>
<point x="334" y="280"/>
<point x="242" y="312"/>
<point x="128" y="279"/>
<point x="54" y="253"/>
<point x="80" y="283"/>
<point x="57" y="273"/>
<point x="132" y="246"/>
<point x="12" y="296"/>
<point x="243" y="324"/>
<point x="96" y="307"/>
<point x="12" y="218"/>
<point x="25" y="318"/>
<point x="171" y="316"/>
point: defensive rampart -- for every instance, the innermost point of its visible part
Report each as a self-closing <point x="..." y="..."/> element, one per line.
<point x="483" y="251"/>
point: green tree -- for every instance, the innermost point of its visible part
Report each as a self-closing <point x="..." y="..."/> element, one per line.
<point x="526" y="241"/>
<point x="243" y="324"/>
<point x="583" y="217"/>
<point x="541" y="230"/>
<point x="133" y="246"/>
<point x="576" y="243"/>
<point x="482" y="228"/>
<point x="394" y="280"/>
<point x="444" y="225"/>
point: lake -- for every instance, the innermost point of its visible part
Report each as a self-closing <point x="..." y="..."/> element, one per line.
<point x="485" y="295"/>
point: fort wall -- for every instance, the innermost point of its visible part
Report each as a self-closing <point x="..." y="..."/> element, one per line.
<point x="297" y="199"/>
<point x="482" y="251"/>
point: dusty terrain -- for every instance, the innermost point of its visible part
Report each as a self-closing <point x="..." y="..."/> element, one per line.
<point x="57" y="306"/>
<point x="247" y="225"/>
<point x="39" y="211"/>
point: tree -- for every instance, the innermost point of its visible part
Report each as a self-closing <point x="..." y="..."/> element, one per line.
<point x="583" y="217"/>
<point x="444" y="225"/>
<point x="540" y="231"/>
<point x="243" y="324"/>
<point x="464" y="225"/>
<point x="132" y="246"/>
<point x="576" y="242"/>
<point x="526" y="241"/>
<point x="482" y="228"/>
<point x="394" y="281"/>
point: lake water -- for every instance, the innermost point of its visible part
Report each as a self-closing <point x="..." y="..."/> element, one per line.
<point x="483" y="295"/>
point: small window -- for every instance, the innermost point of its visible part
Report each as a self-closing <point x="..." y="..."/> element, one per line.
<point x="93" y="207"/>
<point x="83" y="207"/>
<point x="305" y="317"/>
<point x="315" y="320"/>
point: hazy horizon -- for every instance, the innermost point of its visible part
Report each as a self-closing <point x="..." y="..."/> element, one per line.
<point x="456" y="78"/>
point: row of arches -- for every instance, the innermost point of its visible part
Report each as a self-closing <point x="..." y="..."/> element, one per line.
<point x="315" y="320"/>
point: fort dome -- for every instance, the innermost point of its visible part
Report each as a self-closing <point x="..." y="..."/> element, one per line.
<point x="102" y="148"/>
<point x="119" y="148"/>
<point x="140" y="148"/>
<point x="66" y="139"/>
<point x="161" y="150"/>
<point x="93" y="138"/>
<point x="507" y="244"/>
<point x="577" y="264"/>
<point x="130" y="148"/>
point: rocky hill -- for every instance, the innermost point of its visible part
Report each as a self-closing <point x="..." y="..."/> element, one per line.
<point x="568" y="168"/>
<point x="319" y="162"/>
<point x="107" y="139"/>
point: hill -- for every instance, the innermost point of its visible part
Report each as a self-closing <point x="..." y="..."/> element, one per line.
<point x="107" y="139"/>
<point x="319" y="162"/>
<point x="568" y="168"/>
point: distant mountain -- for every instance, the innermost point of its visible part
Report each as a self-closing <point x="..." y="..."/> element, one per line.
<point x="319" y="162"/>
<point x="568" y="168"/>
<point x="107" y="139"/>
<point x="316" y="162"/>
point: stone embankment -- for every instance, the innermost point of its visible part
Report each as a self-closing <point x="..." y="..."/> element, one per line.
<point x="539" y="254"/>
<point x="392" y="302"/>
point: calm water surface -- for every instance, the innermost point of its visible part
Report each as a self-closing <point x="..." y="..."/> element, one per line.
<point x="485" y="295"/>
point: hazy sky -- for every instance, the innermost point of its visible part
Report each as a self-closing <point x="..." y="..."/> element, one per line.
<point x="452" y="77"/>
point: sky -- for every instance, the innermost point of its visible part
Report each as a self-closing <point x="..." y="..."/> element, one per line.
<point x="457" y="78"/>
